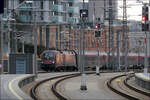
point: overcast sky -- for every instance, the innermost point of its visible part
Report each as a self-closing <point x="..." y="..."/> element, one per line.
<point x="134" y="9"/>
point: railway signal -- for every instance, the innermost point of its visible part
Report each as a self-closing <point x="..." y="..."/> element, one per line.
<point x="145" y="18"/>
<point x="97" y="33"/>
<point x="83" y="13"/>
<point x="97" y="30"/>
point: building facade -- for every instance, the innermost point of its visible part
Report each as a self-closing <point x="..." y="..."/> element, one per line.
<point x="98" y="10"/>
<point x="63" y="38"/>
<point x="54" y="11"/>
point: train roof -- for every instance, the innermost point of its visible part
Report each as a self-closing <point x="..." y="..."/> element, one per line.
<point x="104" y="53"/>
<point x="49" y="51"/>
<point x="65" y="51"/>
<point x="94" y="53"/>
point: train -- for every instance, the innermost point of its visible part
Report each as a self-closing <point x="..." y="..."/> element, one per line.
<point x="58" y="60"/>
<point x="69" y="60"/>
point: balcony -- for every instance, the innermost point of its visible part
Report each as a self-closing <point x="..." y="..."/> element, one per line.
<point x="57" y="8"/>
<point x="73" y="10"/>
<point x="25" y="18"/>
<point x="72" y="0"/>
<point x="72" y="20"/>
<point x="57" y="19"/>
<point x="26" y="7"/>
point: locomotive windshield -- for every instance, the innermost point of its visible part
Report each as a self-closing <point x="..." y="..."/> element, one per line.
<point x="48" y="55"/>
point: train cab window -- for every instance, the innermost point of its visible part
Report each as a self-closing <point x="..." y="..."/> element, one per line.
<point x="48" y="55"/>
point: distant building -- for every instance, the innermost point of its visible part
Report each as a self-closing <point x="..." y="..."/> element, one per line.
<point x="98" y="10"/>
<point x="55" y="11"/>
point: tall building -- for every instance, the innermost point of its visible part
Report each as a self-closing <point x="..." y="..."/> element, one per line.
<point x="55" y="11"/>
<point x="98" y="10"/>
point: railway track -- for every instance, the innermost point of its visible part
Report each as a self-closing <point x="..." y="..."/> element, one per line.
<point x="51" y="83"/>
<point x="134" y="88"/>
<point x="120" y="86"/>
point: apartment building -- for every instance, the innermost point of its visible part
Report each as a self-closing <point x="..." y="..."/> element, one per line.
<point x="54" y="11"/>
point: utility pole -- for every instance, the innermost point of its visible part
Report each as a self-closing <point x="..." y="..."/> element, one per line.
<point x="94" y="14"/>
<point x="104" y="9"/>
<point x="146" y="56"/>
<point x="1" y="51"/>
<point x="40" y="34"/>
<point x="57" y="37"/>
<point x="1" y="36"/>
<point x="35" y="41"/>
<point x="60" y="29"/>
<point x="70" y="33"/>
<point x="125" y="35"/>
<point x="23" y="45"/>
<point x="118" y="50"/>
<point x="110" y="36"/>
<point x="98" y="58"/>
<point x="83" y="81"/>
<point x="47" y="27"/>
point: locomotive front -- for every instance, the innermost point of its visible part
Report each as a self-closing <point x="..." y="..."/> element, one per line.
<point x="48" y="60"/>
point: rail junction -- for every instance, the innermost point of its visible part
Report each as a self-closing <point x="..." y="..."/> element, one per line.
<point x="66" y="86"/>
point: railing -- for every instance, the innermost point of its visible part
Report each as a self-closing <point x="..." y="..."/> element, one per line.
<point x="58" y="8"/>
<point x="73" y="10"/>
<point x="57" y="18"/>
<point x="25" y="18"/>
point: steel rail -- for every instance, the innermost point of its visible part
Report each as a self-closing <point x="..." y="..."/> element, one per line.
<point x="109" y="84"/>
<point x="135" y="89"/>
<point x="58" y="94"/>
<point x="33" y="89"/>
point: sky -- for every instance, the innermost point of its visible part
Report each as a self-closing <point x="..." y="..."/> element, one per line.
<point x="134" y="9"/>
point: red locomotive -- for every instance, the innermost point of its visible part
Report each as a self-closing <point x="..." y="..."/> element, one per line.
<point x="58" y="60"/>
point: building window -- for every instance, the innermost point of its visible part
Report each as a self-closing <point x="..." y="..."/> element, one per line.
<point x="55" y="2"/>
<point x="21" y="1"/>
<point x="42" y="16"/>
<point x="55" y="13"/>
<point x="70" y="4"/>
<point x="70" y="15"/>
<point x="30" y="13"/>
<point x="41" y="4"/>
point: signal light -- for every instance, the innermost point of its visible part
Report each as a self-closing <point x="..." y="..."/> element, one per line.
<point x="96" y="26"/>
<point x="143" y="18"/>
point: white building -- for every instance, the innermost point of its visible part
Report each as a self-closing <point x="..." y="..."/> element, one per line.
<point x="60" y="11"/>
